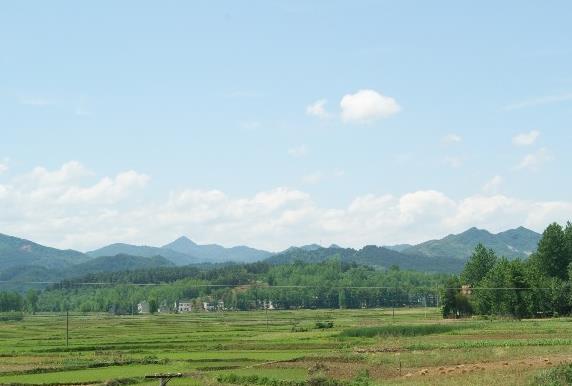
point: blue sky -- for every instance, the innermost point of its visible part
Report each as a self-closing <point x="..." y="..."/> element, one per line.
<point x="139" y="122"/>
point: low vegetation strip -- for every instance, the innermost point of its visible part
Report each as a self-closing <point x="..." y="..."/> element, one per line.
<point x="491" y="343"/>
<point x="401" y="330"/>
<point x="561" y="375"/>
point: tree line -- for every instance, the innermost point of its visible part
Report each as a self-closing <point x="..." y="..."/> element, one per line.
<point x="534" y="287"/>
<point x="328" y="284"/>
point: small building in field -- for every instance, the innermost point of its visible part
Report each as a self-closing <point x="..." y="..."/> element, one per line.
<point x="143" y="307"/>
<point x="164" y="309"/>
<point x="183" y="306"/>
<point x="267" y="305"/>
<point x="207" y="306"/>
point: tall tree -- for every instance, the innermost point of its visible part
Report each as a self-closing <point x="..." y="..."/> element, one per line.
<point x="478" y="265"/>
<point x="552" y="255"/>
<point x="568" y="240"/>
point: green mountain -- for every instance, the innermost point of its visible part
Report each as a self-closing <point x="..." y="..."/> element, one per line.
<point x="514" y="243"/>
<point x="17" y="252"/>
<point x="144" y="251"/>
<point x="370" y="255"/>
<point x="216" y="253"/>
<point x="21" y="277"/>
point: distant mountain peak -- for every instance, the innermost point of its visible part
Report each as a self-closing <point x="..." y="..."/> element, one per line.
<point x="183" y="240"/>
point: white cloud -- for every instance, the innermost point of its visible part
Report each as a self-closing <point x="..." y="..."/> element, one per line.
<point x="450" y="139"/>
<point x="493" y="185"/>
<point x="298" y="151"/>
<point x="318" y="109"/>
<point x="545" y="100"/>
<point x="534" y="161"/>
<point x="366" y="106"/>
<point x="72" y="208"/>
<point x="3" y="168"/>
<point x="525" y="139"/>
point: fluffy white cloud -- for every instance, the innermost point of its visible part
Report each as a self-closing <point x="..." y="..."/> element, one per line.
<point x="534" y="161"/>
<point x="318" y="109"/>
<point x="71" y="208"/>
<point x="3" y="168"/>
<point x="367" y="105"/>
<point x="526" y="139"/>
<point x="298" y="151"/>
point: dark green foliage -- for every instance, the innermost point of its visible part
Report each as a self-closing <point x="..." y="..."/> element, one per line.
<point x="552" y="256"/>
<point x="324" y="325"/>
<point x="479" y="264"/>
<point x="11" y="301"/>
<point x="455" y="303"/>
<point x="297" y="285"/>
<point x="536" y="287"/>
<point x="401" y="330"/>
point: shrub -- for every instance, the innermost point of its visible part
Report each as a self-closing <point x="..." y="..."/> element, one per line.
<point x="326" y="324"/>
<point x="400" y="330"/>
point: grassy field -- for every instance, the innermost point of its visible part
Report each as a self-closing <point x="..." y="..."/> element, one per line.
<point x="283" y="348"/>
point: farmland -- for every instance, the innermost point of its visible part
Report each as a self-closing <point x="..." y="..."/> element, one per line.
<point x="414" y="346"/>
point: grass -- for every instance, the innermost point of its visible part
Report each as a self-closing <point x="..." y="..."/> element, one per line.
<point x="561" y="375"/>
<point x="400" y="330"/>
<point x="241" y="348"/>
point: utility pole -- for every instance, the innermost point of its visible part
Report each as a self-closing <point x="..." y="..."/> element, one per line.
<point x="393" y="308"/>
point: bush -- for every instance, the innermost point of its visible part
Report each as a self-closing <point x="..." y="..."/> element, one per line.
<point x="400" y="330"/>
<point x="326" y="324"/>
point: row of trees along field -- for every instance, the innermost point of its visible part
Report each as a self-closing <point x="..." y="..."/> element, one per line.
<point x="535" y="287"/>
<point x="489" y="285"/>
<point x="329" y="284"/>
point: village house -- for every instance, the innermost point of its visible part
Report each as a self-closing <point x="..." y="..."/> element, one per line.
<point x="183" y="306"/>
<point x="143" y="307"/>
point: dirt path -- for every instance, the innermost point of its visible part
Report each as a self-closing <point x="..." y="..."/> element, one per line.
<point x="523" y="364"/>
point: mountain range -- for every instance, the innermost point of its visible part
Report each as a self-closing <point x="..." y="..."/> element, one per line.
<point x="184" y="251"/>
<point x="513" y="243"/>
<point x="22" y="259"/>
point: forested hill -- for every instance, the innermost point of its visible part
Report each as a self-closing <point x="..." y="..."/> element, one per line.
<point x="18" y="252"/>
<point x="107" y="264"/>
<point x="371" y="255"/>
<point x="513" y="243"/>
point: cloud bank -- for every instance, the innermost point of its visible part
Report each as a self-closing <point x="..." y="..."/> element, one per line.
<point x="70" y="207"/>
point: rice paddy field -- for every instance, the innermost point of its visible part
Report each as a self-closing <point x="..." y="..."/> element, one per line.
<point x="285" y="348"/>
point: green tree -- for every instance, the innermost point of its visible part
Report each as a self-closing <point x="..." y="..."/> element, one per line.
<point x="552" y="256"/>
<point x="153" y="306"/>
<point x="478" y="265"/>
<point x="32" y="300"/>
<point x="450" y="297"/>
